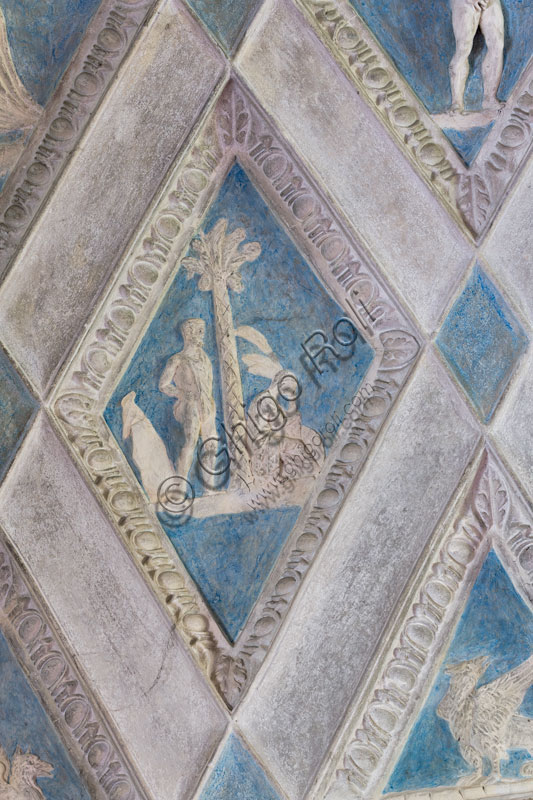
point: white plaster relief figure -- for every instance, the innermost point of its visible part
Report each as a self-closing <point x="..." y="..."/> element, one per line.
<point x="148" y="450"/>
<point x="188" y="378"/>
<point x="486" y="721"/>
<point x="17" y="780"/>
<point x="266" y="441"/>
<point x="467" y="17"/>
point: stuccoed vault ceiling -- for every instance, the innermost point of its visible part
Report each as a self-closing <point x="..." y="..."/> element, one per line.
<point x="265" y="473"/>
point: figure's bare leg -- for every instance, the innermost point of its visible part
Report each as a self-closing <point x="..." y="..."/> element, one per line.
<point x="192" y="432"/>
<point x="465" y="21"/>
<point x="492" y="26"/>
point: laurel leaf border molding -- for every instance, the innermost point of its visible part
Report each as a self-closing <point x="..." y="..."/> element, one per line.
<point x="493" y="514"/>
<point x="53" y="675"/>
<point x="472" y="195"/>
<point x="98" y="58"/>
<point x="234" y="128"/>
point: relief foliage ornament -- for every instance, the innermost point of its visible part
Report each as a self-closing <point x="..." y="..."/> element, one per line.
<point x="234" y="129"/>
<point x="485" y="722"/>
<point x="472" y="193"/>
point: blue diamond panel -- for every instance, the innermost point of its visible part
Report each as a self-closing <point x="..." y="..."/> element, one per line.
<point x="493" y="637"/>
<point x="226" y="19"/>
<point x="419" y="38"/>
<point x="17" y="408"/>
<point x="24" y="724"/>
<point x="231" y="552"/>
<point x="482" y="341"/>
<point x="238" y="776"/>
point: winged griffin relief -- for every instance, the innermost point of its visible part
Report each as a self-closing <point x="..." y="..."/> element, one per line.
<point x="18" y="777"/>
<point x="468" y="718"/>
<point x="486" y="721"/>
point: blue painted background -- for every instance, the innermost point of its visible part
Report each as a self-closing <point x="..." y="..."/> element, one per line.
<point x="24" y="722"/>
<point x="17" y="407"/>
<point x="468" y="143"/>
<point x="43" y="36"/>
<point x="482" y="340"/>
<point x="226" y="19"/>
<point x="230" y="557"/>
<point x="418" y="36"/>
<point x="496" y="623"/>
<point x="238" y="776"/>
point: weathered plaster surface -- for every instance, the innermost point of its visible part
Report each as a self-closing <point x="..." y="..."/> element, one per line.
<point x="107" y="186"/>
<point x="421" y="250"/>
<point x="328" y="678"/>
<point x="336" y="623"/>
<point x="151" y="689"/>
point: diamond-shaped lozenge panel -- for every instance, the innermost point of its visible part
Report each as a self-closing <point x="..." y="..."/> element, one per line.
<point x="482" y="340"/>
<point x="220" y="364"/>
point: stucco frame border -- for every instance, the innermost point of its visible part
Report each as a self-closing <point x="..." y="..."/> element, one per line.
<point x="233" y="128"/>
<point x="105" y="44"/>
<point x="492" y="515"/>
<point x="35" y="639"/>
<point x="473" y="194"/>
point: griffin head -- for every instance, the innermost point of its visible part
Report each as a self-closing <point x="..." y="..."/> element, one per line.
<point x="27" y="767"/>
<point x="463" y="680"/>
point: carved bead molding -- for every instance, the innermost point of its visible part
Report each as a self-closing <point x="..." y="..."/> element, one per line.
<point x="63" y="692"/>
<point x="95" y="64"/>
<point x="472" y="195"/>
<point x="493" y="515"/>
<point x="234" y="129"/>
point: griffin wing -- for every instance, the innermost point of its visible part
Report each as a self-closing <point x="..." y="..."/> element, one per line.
<point x="520" y="733"/>
<point x="502" y="697"/>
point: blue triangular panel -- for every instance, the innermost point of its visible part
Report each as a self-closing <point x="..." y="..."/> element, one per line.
<point x="238" y="776"/>
<point x="24" y="724"/>
<point x="498" y="626"/>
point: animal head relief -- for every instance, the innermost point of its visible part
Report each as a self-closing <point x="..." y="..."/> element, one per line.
<point x="18" y="777"/>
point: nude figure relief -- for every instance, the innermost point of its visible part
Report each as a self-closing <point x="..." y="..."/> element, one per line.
<point x="469" y="16"/>
<point x="255" y="443"/>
